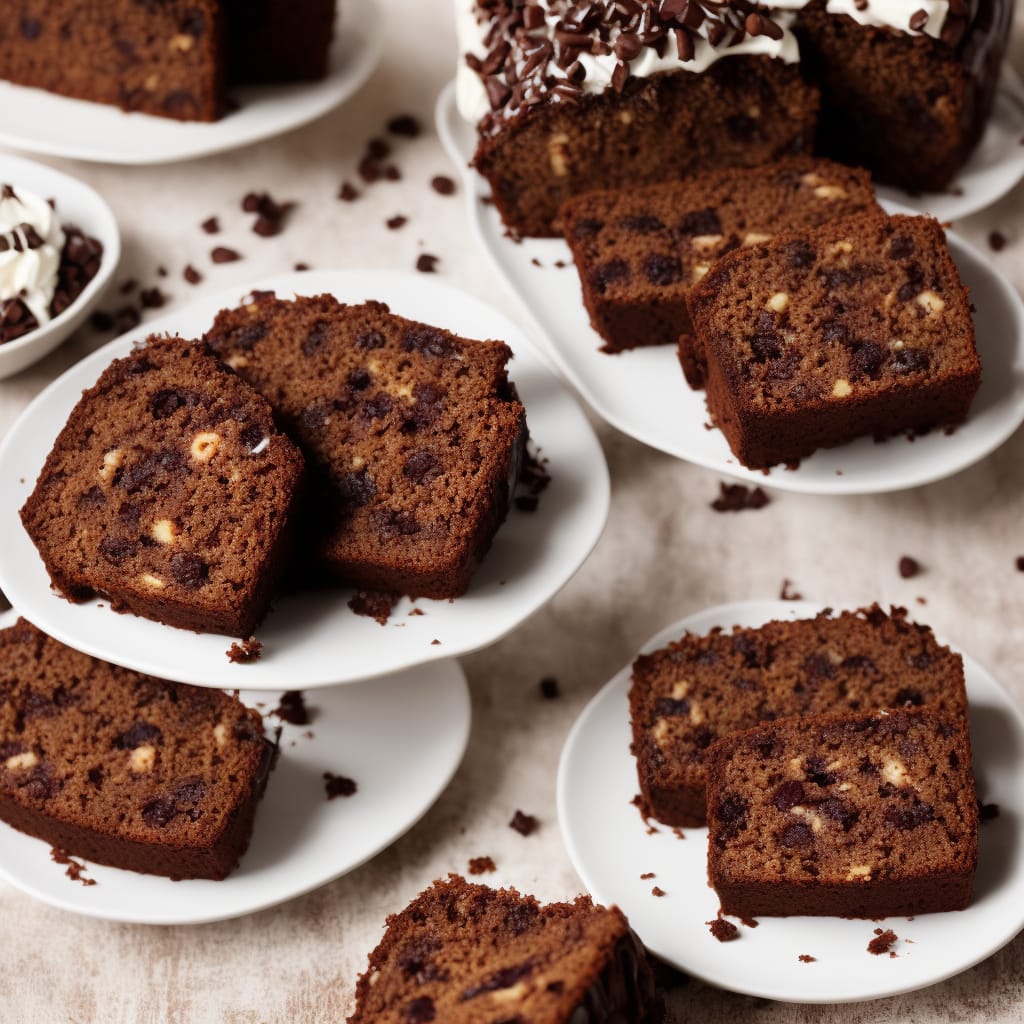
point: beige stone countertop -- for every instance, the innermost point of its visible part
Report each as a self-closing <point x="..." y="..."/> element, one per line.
<point x="664" y="555"/>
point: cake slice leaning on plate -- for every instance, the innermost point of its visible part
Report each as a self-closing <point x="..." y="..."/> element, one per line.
<point x="124" y="769"/>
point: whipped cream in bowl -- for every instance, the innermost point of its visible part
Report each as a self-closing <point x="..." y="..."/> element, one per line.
<point x="40" y="254"/>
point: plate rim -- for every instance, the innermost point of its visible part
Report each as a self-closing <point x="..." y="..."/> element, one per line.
<point x="445" y="114"/>
<point x="370" y="19"/>
<point x="718" y="614"/>
<point x="91" y="366"/>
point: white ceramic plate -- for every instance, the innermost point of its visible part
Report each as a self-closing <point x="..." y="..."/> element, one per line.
<point x="643" y="392"/>
<point x="315" y="639"/>
<point x="995" y="167"/>
<point x="43" y="122"/>
<point x="79" y="205"/>
<point x="610" y="848"/>
<point x="372" y="733"/>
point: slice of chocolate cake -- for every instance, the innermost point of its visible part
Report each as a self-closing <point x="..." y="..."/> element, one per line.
<point x="413" y="435"/>
<point x="856" y="815"/>
<point x="464" y="953"/>
<point x="170" y="492"/>
<point x="861" y="327"/>
<point x="640" y="252"/>
<point x="123" y="769"/>
<point x="694" y="691"/>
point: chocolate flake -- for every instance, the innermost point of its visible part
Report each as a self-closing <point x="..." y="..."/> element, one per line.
<point x="427" y="264"/>
<point x="524" y="824"/>
<point x="222" y="254"/>
<point x="191" y="274"/>
<point x="442" y="185"/>
<point x="909" y="567"/>
<point x="338" y="785"/>
<point x="211" y="225"/>
<point x="396" y="222"/>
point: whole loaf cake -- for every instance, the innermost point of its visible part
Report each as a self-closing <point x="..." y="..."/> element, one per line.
<point x="465" y="953"/>
<point x="124" y="769"/>
<point x="172" y="58"/>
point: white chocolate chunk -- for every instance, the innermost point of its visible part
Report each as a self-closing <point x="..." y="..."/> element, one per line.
<point x="204" y="445"/>
<point x="164" y="531"/>
<point x="18" y="761"/>
<point x="841" y="388"/>
<point x="142" y="759"/>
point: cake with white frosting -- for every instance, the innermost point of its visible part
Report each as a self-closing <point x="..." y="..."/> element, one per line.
<point x="571" y="96"/>
<point x="43" y="267"/>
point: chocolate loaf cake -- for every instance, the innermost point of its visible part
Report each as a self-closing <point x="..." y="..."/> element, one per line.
<point x="574" y="97"/>
<point x="464" y="954"/>
<point x="907" y="97"/>
<point x="859" y="327"/>
<point x="174" y="58"/>
<point x="856" y="815"/>
<point x="123" y="769"/>
<point x="641" y="251"/>
<point x="702" y="688"/>
<point x="413" y="435"/>
<point x="169" y="492"/>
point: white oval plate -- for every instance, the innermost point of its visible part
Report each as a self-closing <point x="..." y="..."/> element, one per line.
<point x="43" y="122"/>
<point x="400" y="738"/>
<point x="610" y="848"/>
<point x="995" y="166"/>
<point x="79" y="205"/>
<point x="643" y="392"/>
<point x="315" y="639"/>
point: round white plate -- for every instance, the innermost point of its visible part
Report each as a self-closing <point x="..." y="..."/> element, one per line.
<point x="372" y="733"/>
<point x="43" y="122"/>
<point x="995" y="166"/>
<point x="79" y="205"/>
<point x="643" y="392"/>
<point x="610" y="848"/>
<point x="315" y="639"/>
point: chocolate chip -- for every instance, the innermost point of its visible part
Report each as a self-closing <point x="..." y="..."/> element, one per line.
<point x="642" y="225"/>
<point x="189" y="570"/>
<point x="796" y="835"/>
<point x="501" y="979"/>
<point x="222" y="254"/>
<point x="159" y="812"/>
<point x="909" y="696"/>
<point x="405" y="125"/>
<point x="140" y="733"/>
<point x="211" y="225"/>
<point x="427" y="264"/>
<point x="906" y="819"/>
<point x="31" y="28"/>
<point x="586" y="227"/>
<point x="662" y="269"/>
<point x="396" y="222"/>
<point x="442" y="185"/>
<point x="700" y="222"/>
<point x="101" y="321"/>
<point x="524" y="824"/>
<point x="117" y="550"/>
<point x="392" y="523"/>
<point x="429" y="341"/>
<point x="799" y="255"/>
<point x="610" y="273"/>
<point x="670" y="707"/>
<point x="549" y="688"/>
<point x="315" y="337"/>
<point x="339" y="785"/>
<point x="191" y="275"/>
<point x="732" y="810"/>
<point x="867" y="358"/>
<point x="152" y="298"/>
<point x="167" y="401"/>
<point x="422" y="467"/>
<point x="347" y="193"/>
<point x="419" y="1011"/>
<point x="909" y="567"/>
<point x="840" y="812"/>
<point x="901" y="247"/>
<point x="788" y="795"/>
<point x="370" y="339"/>
<point x="909" y="360"/>
<point x="997" y="241"/>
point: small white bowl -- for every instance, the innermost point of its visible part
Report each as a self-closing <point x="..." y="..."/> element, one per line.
<point x="79" y="205"/>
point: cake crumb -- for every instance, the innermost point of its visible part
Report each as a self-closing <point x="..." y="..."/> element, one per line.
<point x="997" y="241"/>
<point x="724" y="931"/>
<point x="806" y="958"/>
<point x="245" y="652"/>
<point x="348" y="193"/>
<point x="191" y="275"/>
<point x="74" y="867"/>
<point x="549" y="688"/>
<point x="374" y="604"/>
<point x="787" y="593"/>
<point x="435" y="642"/>
<point x="404" y="125"/>
<point x="647" y="876"/>
<point x="739" y="497"/>
<point x="645" y="813"/>
<point x="658" y="891"/>
<point x="909" y="567"/>
<point x="678" y="832"/>
<point x="417" y="611"/>
<point x="524" y="824"/>
<point x="338" y="785"/>
<point x="222" y="254"/>
<point x="442" y="185"/>
<point x="987" y="812"/>
<point x="396" y="222"/>
<point x="292" y="708"/>
<point x="533" y="481"/>
<point x="211" y="225"/>
<point x="427" y="263"/>
<point x="882" y="942"/>
<point x="481" y="865"/>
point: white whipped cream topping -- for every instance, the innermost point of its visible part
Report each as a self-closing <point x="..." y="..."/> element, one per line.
<point x="894" y="13"/>
<point x="29" y="275"/>
<point x="471" y="96"/>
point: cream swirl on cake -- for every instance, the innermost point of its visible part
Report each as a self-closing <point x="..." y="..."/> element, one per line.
<point x="31" y="241"/>
<point x="517" y="54"/>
